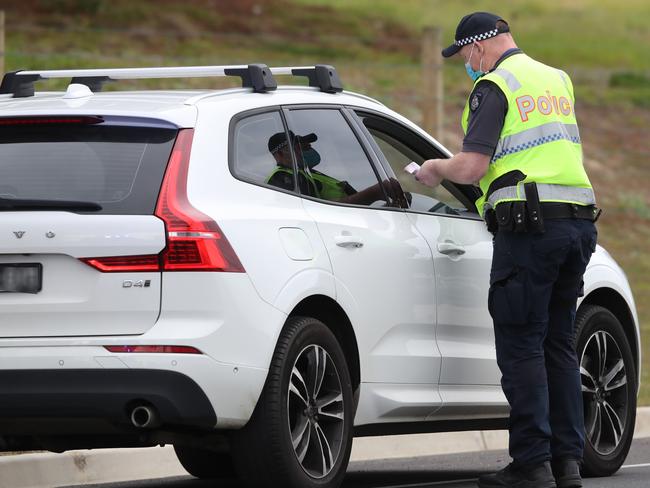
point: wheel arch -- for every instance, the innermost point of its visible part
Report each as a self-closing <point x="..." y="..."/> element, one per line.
<point x="330" y="312"/>
<point x="615" y="303"/>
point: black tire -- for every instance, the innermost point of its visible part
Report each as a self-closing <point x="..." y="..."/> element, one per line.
<point x="263" y="451"/>
<point x="609" y="390"/>
<point x="204" y="463"/>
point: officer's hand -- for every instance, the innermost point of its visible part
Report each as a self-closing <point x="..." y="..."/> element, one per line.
<point x="428" y="173"/>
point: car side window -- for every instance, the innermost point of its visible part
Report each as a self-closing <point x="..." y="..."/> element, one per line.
<point x="255" y="141"/>
<point x="329" y="155"/>
<point x="397" y="143"/>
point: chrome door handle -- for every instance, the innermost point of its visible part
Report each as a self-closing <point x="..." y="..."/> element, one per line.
<point x="350" y="242"/>
<point x="450" y="249"/>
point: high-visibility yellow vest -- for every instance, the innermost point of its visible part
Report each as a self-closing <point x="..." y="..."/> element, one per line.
<point x="330" y="188"/>
<point x="540" y="135"/>
<point x="323" y="186"/>
<point x="310" y="181"/>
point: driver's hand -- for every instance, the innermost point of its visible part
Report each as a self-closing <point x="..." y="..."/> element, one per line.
<point x="396" y="189"/>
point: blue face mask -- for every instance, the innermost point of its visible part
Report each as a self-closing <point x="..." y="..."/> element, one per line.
<point x="473" y="74"/>
<point x="311" y="157"/>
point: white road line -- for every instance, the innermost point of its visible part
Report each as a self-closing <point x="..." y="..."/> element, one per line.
<point x="646" y="465"/>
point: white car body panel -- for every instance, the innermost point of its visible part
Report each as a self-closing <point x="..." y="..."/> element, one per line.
<point x="252" y="224"/>
<point x="81" y="235"/>
<point x="604" y="272"/>
<point x="167" y="106"/>
<point x="389" y="403"/>
<point x="464" y="329"/>
<point x="471" y="402"/>
<point x="390" y="278"/>
<point x="76" y="300"/>
<point x="227" y="386"/>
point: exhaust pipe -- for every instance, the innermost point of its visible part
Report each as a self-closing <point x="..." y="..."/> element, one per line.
<point x="144" y="417"/>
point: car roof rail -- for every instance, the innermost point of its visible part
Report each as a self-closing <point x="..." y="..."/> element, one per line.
<point x="255" y="76"/>
<point x="323" y="76"/>
<point x="259" y="77"/>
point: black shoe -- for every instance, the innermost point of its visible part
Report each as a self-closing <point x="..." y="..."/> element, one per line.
<point x="540" y="476"/>
<point x="567" y="473"/>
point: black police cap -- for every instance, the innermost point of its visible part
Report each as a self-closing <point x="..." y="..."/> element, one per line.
<point x="475" y="27"/>
<point x="279" y="140"/>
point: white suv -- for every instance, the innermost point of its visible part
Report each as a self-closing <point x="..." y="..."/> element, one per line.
<point x="249" y="275"/>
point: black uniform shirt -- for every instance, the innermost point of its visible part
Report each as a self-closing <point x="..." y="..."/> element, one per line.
<point x="487" y="113"/>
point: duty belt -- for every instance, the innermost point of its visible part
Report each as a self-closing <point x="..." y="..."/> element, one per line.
<point x="552" y="210"/>
<point x="528" y="215"/>
<point x="547" y="193"/>
<point x="519" y="213"/>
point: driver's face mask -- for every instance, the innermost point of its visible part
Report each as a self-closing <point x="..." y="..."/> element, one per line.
<point x="307" y="156"/>
<point x="311" y="157"/>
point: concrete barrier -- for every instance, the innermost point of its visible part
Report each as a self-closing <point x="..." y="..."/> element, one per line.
<point x="46" y="470"/>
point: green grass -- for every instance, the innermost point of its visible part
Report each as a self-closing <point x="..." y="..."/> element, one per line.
<point x="590" y="39"/>
<point x="636" y="204"/>
<point x="595" y="33"/>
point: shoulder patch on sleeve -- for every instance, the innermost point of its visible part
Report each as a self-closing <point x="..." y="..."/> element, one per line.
<point x="475" y="102"/>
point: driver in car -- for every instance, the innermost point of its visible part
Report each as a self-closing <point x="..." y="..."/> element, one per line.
<point x="313" y="182"/>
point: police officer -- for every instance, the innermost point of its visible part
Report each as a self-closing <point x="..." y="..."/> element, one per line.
<point x="523" y="147"/>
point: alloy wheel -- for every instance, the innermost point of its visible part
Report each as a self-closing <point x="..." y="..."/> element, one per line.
<point x="315" y="411"/>
<point x="604" y="392"/>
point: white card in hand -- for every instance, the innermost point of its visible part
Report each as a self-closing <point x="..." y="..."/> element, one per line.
<point x="412" y="167"/>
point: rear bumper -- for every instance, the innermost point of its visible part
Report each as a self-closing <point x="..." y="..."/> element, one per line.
<point x="37" y="402"/>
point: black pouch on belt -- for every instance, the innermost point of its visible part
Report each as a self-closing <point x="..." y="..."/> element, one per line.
<point x="519" y="216"/>
<point x="504" y="216"/>
<point x="491" y="220"/>
<point x="534" y="210"/>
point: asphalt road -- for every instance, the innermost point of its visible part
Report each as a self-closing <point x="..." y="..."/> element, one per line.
<point x="455" y="470"/>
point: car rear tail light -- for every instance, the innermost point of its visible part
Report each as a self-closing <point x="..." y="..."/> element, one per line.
<point x="49" y="120"/>
<point x="155" y="349"/>
<point x="194" y="241"/>
<point x="125" y="263"/>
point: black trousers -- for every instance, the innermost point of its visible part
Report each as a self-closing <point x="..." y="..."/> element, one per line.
<point x="534" y="285"/>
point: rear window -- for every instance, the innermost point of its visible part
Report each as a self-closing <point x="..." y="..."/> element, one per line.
<point x="116" y="162"/>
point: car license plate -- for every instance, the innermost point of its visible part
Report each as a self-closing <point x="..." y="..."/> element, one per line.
<point x="21" y="277"/>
